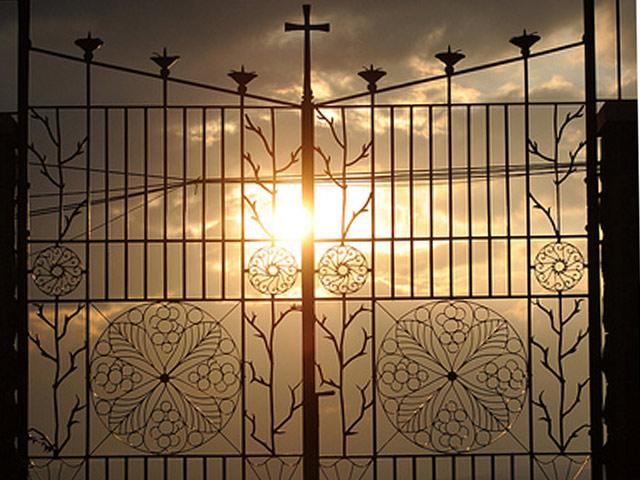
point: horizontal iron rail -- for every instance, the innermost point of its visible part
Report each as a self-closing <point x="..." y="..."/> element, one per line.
<point x="288" y="300"/>
<point x="463" y="71"/>
<point x="181" y="81"/>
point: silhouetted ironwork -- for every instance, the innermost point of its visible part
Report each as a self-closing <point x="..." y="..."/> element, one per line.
<point x="422" y="365"/>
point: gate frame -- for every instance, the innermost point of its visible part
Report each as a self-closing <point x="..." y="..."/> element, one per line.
<point x="308" y="108"/>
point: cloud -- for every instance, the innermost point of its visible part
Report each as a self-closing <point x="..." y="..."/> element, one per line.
<point x="214" y="36"/>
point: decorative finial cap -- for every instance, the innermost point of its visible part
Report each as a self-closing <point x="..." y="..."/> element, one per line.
<point x="450" y="58"/>
<point x="525" y="42"/>
<point x="242" y="78"/>
<point x="89" y="45"/>
<point x="371" y="76"/>
<point x="164" y="61"/>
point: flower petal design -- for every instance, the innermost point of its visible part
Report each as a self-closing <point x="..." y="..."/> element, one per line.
<point x="165" y="377"/>
<point x="452" y="376"/>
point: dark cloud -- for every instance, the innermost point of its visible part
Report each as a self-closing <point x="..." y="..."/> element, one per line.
<point x="216" y="36"/>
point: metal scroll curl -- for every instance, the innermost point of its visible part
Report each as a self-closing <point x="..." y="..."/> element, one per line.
<point x="559" y="266"/>
<point x="165" y="377"/>
<point x="452" y="376"/>
<point x="343" y="269"/>
<point x="272" y="270"/>
<point x="57" y="271"/>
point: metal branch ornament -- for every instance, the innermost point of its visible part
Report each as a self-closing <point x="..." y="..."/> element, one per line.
<point x="57" y="271"/>
<point x="272" y="270"/>
<point x="165" y="377"/>
<point x="452" y="376"/>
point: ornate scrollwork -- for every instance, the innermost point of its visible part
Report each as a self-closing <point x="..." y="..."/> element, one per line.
<point x="272" y="270"/>
<point x="559" y="266"/>
<point x="452" y="376"/>
<point x="343" y="269"/>
<point x="57" y="271"/>
<point x="165" y="377"/>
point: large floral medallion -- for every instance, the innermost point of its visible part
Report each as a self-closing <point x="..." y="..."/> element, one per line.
<point x="343" y="269"/>
<point x="272" y="270"/>
<point x="559" y="266"/>
<point x="57" y="271"/>
<point x="452" y="376"/>
<point x="165" y="377"/>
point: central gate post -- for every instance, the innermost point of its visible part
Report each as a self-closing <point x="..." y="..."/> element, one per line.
<point x="310" y="443"/>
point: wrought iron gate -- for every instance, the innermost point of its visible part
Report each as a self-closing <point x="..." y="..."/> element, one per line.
<point x="194" y="313"/>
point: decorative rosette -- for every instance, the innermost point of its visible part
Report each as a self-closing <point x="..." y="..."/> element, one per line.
<point x="272" y="270"/>
<point x="452" y="376"/>
<point x="57" y="271"/>
<point x="165" y="377"/>
<point x="559" y="266"/>
<point x="343" y="269"/>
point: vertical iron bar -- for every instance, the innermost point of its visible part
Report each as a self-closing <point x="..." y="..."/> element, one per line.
<point x="450" y="184"/>
<point x="203" y="227"/>
<point x="528" y="248"/>
<point x="469" y="202"/>
<point x="87" y="253"/>
<point x="184" y="203"/>
<point x="242" y="279"/>
<point x="453" y="467"/>
<point x="145" y="244"/>
<point x="618" y="52"/>
<point x="22" y="380"/>
<point x="106" y="203"/>
<point x="473" y="467"/>
<point x="392" y="153"/>
<point x="512" y="468"/>
<point x="593" y="243"/>
<point x="373" y="280"/>
<point x="165" y="190"/>
<point x="493" y="467"/>
<point x="487" y="126"/>
<point x="507" y="194"/>
<point x="126" y="202"/>
<point x="411" y="212"/>
<point x="310" y="408"/>
<point x="431" y="198"/>
<point x="223" y="216"/>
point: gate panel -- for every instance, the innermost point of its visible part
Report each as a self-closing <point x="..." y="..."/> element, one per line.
<point x="165" y="301"/>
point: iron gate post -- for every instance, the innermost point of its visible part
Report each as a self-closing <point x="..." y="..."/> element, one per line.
<point x="593" y="242"/>
<point x="310" y="444"/>
<point x="24" y="45"/>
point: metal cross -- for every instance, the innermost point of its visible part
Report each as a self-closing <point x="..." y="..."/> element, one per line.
<point x="309" y="395"/>
<point x="307" y="27"/>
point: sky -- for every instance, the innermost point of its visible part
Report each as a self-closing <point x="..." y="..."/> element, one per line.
<point x="400" y="37"/>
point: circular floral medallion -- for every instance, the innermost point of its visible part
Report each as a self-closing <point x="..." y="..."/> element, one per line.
<point x="559" y="266"/>
<point x="452" y="376"/>
<point x="165" y="377"/>
<point x="343" y="269"/>
<point x="272" y="270"/>
<point x="57" y="271"/>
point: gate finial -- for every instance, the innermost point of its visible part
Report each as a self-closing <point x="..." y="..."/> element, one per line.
<point x="242" y="78"/>
<point x="164" y="61"/>
<point x="372" y="75"/>
<point x="89" y="45"/>
<point x="450" y="58"/>
<point x="525" y="42"/>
